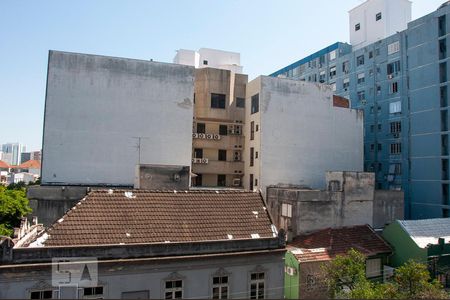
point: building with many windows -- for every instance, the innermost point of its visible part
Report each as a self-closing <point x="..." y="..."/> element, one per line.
<point x="218" y="140"/>
<point x="400" y="82"/>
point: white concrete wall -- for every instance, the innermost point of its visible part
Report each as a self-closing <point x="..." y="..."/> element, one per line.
<point x="395" y="17"/>
<point x="217" y="59"/>
<point x="301" y="134"/>
<point x="96" y="105"/>
<point x="185" y="57"/>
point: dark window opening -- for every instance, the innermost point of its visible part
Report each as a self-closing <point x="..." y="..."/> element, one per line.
<point x="252" y="130"/>
<point x="442" y="24"/>
<point x="252" y="156"/>
<point x="198" y="153"/>
<point x="443" y="49"/>
<point x="378" y="17"/>
<point x="251" y="182"/>
<point x="255" y="104"/>
<point x="357" y="27"/>
<point x="223" y="129"/>
<point x="240" y="102"/>
<point x="218" y="100"/>
<point x="201" y="128"/>
<point x="443" y="72"/>
<point x="221" y="180"/>
<point x="222" y="155"/>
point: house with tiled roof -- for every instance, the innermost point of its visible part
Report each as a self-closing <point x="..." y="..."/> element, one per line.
<point x="308" y="252"/>
<point x="427" y="241"/>
<point x="4" y="172"/>
<point x="153" y="244"/>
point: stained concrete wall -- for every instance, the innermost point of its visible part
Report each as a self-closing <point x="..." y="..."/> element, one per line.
<point x="349" y="199"/>
<point x="95" y="108"/>
<point x="150" y="275"/>
<point x="301" y="134"/>
<point x="154" y="177"/>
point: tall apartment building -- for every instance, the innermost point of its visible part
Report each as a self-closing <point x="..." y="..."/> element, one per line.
<point x="218" y="140"/>
<point x="297" y="131"/>
<point x="12" y="153"/>
<point x="400" y="81"/>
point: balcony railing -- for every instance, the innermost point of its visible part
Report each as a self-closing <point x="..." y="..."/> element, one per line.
<point x="206" y="136"/>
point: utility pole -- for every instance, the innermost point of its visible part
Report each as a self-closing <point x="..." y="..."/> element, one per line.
<point x="138" y="146"/>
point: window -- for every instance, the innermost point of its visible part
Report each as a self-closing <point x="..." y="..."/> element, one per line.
<point x="370" y="72"/>
<point x="395" y="107"/>
<point x="222" y="155"/>
<point x="252" y="156"/>
<point x="443" y="49"/>
<point x="444" y="120"/>
<point x="393" y="87"/>
<point x="372" y="147"/>
<point x="256" y="181"/>
<point x="221" y="180"/>
<point x="361" y="78"/>
<point x="393" y="47"/>
<point x="346" y="67"/>
<point x="198" y="181"/>
<point x="379" y="127"/>
<point x="332" y="72"/>
<point x="256" y="154"/>
<point x="395" y="169"/>
<point x="393" y="69"/>
<point x="444" y="102"/>
<point x="396" y="148"/>
<point x="373" y="267"/>
<point x="201" y="128"/>
<point x="47" y="294"/>
<point x="396" y="127"/>
<point x="333" y="55"/>
<point x="255" y="104"/>
<point x="257" y="127"/>
<point x="443" y="72"/>
<point x="174" y="289"/>
<point x="346" y="83"/>
<point x="205" y="62"/>
<point x="257" y="285"/>
<point x="379" y="147"/>
<point x="378" y="17"/>
<point x="377" y="51"/>
<point x="378" y="89"/>
<point x="357" y="27"/>
<point x="223" y="129"/>
<point x="93" y="291"/>
<point x="220" y="287"/>
<point x="322" y="76"/>
<point x="198" y="153"/>
<point x="361" y="95"/>
<point x="240" y="102"/>
<point x="370" y="54"/>
<point x="251" y="182"/>
<point x="360" y="60"/>
<point x="372" y="128"/>
<point x="252" y="130"/>
<point x="286" y="210"/>
<point x="218" y="100"/>
<point x="445" y="194"/>
<point x="442" y="26"/>
<point x="444" y="145"/>
<point x="445" y="169"/>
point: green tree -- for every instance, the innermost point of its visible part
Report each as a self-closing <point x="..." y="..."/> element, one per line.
<point x="13" y="206"/>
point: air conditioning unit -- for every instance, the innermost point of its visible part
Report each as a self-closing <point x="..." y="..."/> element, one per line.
<point x="390" y="76"/>
<point x="236" y="182"/>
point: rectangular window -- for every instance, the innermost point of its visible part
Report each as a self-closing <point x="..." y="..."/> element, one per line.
<point x="396" y="127"/>
<point x="220" y="287"/>
<point x="286" y="210"/>
<point x="257" y="289"/>
<point x="357" y="27"/>
<point x="252" y="130"/>
<point x="218" y="100"/>
<point x="444" y="120"/>
<point x="442" y="25"/>
<point x="393" y="69"/>
<point x="445" y="194"/>
<point x="379" y="147"/>
<point x="445" y="169"/>
<point x="222" y="155"/>
<point x="378" y="17"/>
<point x="346" y="67"/>
<point x="198" y="181"/>
<point x="322" y="76"/>
<point x="443" y="49"/>
<point x="444" y="145"/>
<point x="332" y="72"/>
<point x="47" y="294"/>
<point x="205" y="62"/>
<point x="393" y="47"/>
<point x="361" y="78"/>
<point x="223" y="129"/>
<point x="370" y="54"/>
<point x="346" y="83"/>
<point x="252" y="156"/>
<point x="393" y="87"/>
<point x="240" y="102"/>
<point x="395" y="107"/>
<point x="444" y="101"/>
<point x="93" y="291"/>
<point x="395" y="148"/>
<point x="333" y="55"/>
<point x="395" y="169"/>
<point x="443" y="72"/>
<point x="361" y="95"/>
<point x="255" y="104"/>
<point x="251" y="182"/>
<point x="198" y="153"/>
<point x="174" y="289"/>
<point x="221" y="180"/>
<point x="360" y="60"/>
<point x="201" y="128"/>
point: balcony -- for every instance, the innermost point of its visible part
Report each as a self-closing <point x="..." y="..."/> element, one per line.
<point x="203" y="161"/>
<point x="218" y="167"/>
<point x="230" y="142"/>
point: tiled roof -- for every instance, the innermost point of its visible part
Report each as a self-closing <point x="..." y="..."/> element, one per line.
<point x="428" y="231"/>
<point x="31" y="164"/>
<point x="327" y="243"/>
<point x="107" y="217"/>
<point x="4" y="165"/>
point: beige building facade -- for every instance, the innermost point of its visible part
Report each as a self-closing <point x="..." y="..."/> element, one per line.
<point x="218" y="139"/>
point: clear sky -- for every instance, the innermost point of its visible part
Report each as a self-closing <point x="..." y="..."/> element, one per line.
<point x="268" y="34"/>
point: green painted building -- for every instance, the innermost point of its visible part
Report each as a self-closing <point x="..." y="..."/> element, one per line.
<point x="427" y="241"/>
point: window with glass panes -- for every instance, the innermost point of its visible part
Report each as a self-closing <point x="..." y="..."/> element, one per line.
<point x="174" y="289"/>
<point x="220" y="287"/>
<point x="257" y="285"/>
<point x="47" y="294"/>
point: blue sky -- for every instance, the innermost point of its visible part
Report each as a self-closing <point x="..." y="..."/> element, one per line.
<point x="268" y="34"/>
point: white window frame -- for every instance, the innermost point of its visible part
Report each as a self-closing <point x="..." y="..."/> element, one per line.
<point x="286" y="210"/>
<point x="394" y="47"/>
<point x="332" y="55"/>
<point x="395" y="107"/>
<point x="173" y="289"/>
<point x="257" y="282"/>
<point x="361" y="78"/>
<point x="220" y="285"/>
<point x="94" y="296"/>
